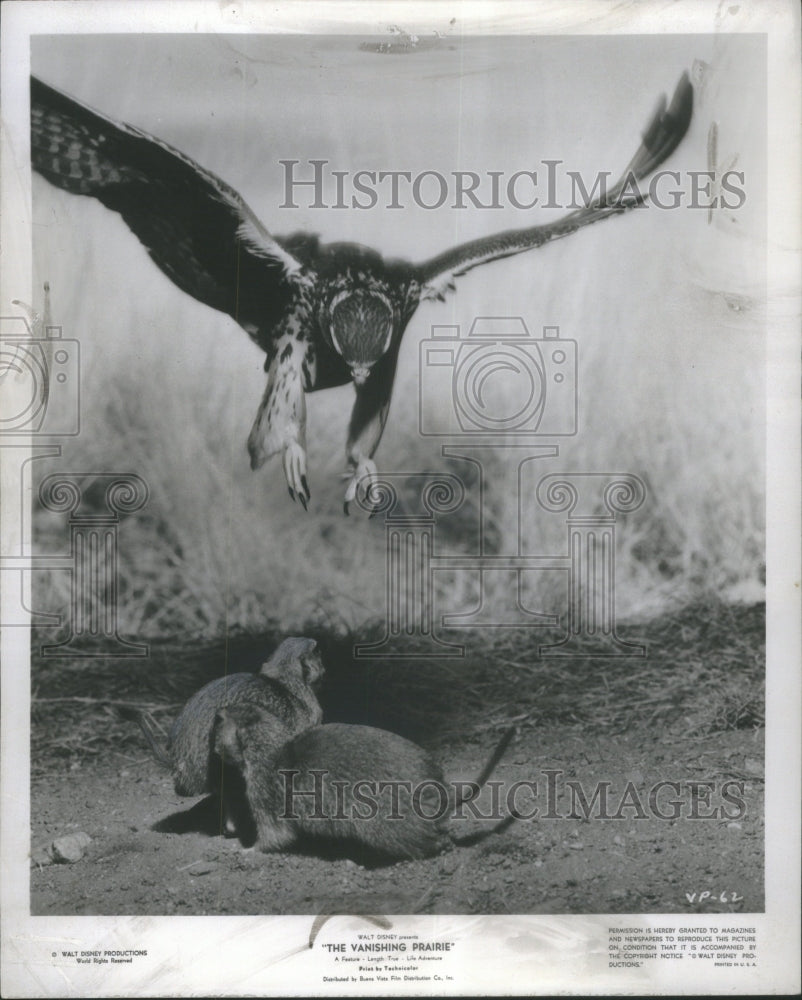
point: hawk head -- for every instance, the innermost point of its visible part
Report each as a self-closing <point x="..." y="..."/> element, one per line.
<point x="359" y="324"/>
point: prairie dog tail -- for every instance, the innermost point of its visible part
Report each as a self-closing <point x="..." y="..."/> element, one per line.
<point x="148" y="727"/>
<point x="471" y="789"/>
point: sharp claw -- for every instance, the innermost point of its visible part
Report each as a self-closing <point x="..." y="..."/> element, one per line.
<point x="362" y="480"/>
<point x="305" y="485"/>
<point x="291" y="492"/>
<point x="302" y="498"/>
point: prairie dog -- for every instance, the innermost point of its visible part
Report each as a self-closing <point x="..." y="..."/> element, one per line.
<point x="284" y="690"/>
<point x="354" y="784"/>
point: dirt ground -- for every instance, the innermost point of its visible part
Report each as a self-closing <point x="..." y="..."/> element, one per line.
<point x="152" y="852"/>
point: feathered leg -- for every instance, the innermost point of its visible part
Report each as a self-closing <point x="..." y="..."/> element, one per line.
<point x="368" y="418"/>
<point x="280" y="424"/>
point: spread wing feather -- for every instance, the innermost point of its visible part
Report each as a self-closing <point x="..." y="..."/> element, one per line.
<point x="195" y="227"/>
<point x="661" y="137"/>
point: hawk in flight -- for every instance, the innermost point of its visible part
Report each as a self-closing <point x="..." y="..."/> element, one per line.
<point x="323" y="314"/>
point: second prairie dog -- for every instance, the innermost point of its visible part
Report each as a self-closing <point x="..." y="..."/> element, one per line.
<point x="284" y="690"/>
<point x="345" y="757"/>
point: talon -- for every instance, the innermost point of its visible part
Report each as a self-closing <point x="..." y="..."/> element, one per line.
<point x="361" y="483"/>
<point x="295" y="473"/>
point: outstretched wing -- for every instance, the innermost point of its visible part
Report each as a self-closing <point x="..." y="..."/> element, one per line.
<point x="194" y="226"/>
<point x="662" y="136"/>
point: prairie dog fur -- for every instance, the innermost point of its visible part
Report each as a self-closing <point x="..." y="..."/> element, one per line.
<point x="284" y="689"/>
<point x="330" y="775"/>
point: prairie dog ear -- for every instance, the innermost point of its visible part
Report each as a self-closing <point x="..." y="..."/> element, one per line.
<point x="227" y="739"/>
<point x="223" y="724"/>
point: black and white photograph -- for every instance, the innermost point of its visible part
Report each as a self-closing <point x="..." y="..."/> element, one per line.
<point x="400" y="443"/>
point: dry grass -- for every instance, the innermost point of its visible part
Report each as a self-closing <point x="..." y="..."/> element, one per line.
<point x="219" y="547"/>
<point x="703" y="673"/>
